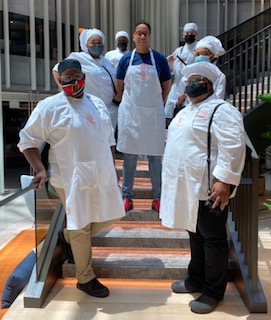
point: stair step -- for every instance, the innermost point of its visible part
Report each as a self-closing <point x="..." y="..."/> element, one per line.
<point x="136" y="263"/>
<point x="141" y="235"/>
<point x="141" y="215"/>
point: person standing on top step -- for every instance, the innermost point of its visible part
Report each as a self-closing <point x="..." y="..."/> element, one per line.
<point x="122" y="41"/>
<point x="143" y="81"/>
<point x="78" y="128"/>
<point x="181" y="57"/>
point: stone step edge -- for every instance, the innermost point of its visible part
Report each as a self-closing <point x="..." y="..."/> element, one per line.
<point x="140" y="231"/>
<point x="144" y="224"/>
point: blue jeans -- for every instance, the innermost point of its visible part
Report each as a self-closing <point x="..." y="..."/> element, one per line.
<point x="129" y="170"/>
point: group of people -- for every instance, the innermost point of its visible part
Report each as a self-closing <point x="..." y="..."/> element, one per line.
<point x="132" y="90"/>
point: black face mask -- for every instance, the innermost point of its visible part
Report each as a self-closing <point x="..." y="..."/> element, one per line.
<point x="190" y="38"/>
<point x="122" y="45"/>
<point x="195" y="89"/>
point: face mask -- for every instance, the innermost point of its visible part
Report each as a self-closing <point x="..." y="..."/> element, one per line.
<point x="96" y="50"/>
<point x="190" y="38"/>
<point x="74" y="88"/>
<point x="195" y="89"/>
<point x="202" y="58"/>
<point x="122" y="46"/>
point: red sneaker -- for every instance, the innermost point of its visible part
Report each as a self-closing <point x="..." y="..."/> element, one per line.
<point x="156" y="205"/>
<point x="128" y="204"/>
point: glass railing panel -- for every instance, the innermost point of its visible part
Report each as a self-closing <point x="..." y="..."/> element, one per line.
<point x="46" y="202"/>
<point x="14" y="217"/>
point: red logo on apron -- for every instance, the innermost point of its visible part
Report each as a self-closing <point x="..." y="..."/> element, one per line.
<point x="143" y="72"/>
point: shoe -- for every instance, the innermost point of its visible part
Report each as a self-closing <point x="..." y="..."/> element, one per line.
<point x="128" y="204"/>
<point x="204" y="304"/>
<point x="183" y="287"/>
<point x="156" y="205"/>
<point x="66" y="247"/>
<point x="94" y="288"/>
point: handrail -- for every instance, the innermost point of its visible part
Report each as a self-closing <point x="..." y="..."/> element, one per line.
<point x="18" y="194"/>
<point x="243" y="228"/>
<point x="247" y="67"/>
<point x="245" y="29"/>
<point x="247" y="39"/>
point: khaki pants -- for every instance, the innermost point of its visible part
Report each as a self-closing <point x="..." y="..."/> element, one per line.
<point x="80" y="241"/>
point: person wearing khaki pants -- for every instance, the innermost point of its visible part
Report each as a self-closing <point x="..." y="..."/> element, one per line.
<point x="80" y="241"/>
<point x="78" y="128"/>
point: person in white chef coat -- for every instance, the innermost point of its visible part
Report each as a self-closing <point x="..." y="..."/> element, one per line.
<point x="100" y="73"/>
<point x="208" y="49"/>
<point x="181" y="57"/>
<point x="122" y="41"/>
<point x="143" y="82"/>
<point x="78" y="128"/>
<point x="185" y="182"/>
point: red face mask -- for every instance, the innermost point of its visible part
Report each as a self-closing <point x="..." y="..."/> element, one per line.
<point x="74" y="89"/>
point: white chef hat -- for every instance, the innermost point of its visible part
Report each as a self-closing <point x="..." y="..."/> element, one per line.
<point x="205" y="69"/>
<point x="190" y="26"/>
<point x="86" y="34"/>
<point x="121" y="34"/>
<point x="213" y="44"/>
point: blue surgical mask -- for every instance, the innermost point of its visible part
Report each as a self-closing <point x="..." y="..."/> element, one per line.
<point x="96" y="50"/>
<point x="202" y="58"/>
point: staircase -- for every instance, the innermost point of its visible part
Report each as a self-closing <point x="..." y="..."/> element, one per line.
<point x="138" y="246"/>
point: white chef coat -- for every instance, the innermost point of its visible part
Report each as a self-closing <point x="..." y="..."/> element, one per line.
<point x="186" y="53"/>
<point x="114" y="56"/>
<point x="141" y="120"/>
<point x="98" y="81"/>
<point x="80" y="135"/>
<point x="184" y="170"/>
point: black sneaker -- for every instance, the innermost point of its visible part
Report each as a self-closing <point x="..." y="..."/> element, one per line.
<point x="203" y="304"/>
<point x="66" y="247"/>
<point x="94" y="288"/>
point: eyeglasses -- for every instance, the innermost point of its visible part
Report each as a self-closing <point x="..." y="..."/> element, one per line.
<point x="68" y="78"/>
<point x="194" y="81"/>
<point x="197" y="80"/>
<point x="140" y="34"/>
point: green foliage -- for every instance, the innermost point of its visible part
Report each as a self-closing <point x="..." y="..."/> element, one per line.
<point x="267" y="205"/>
<point x="265" y="97"/>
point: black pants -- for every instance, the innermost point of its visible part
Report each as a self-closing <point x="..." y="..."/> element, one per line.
<point x="209" y="253"/>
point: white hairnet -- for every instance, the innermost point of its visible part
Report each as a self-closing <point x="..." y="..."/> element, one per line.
<point x="203" y="68"/>
<point x="213" y="44"/>
<point x="190" y="26"/>
<point x="86" y="34"/>
<point x="121" y="34"/>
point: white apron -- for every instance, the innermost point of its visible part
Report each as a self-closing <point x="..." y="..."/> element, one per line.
<point x="87" y="170"/>
<point x="141" y="119"/>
